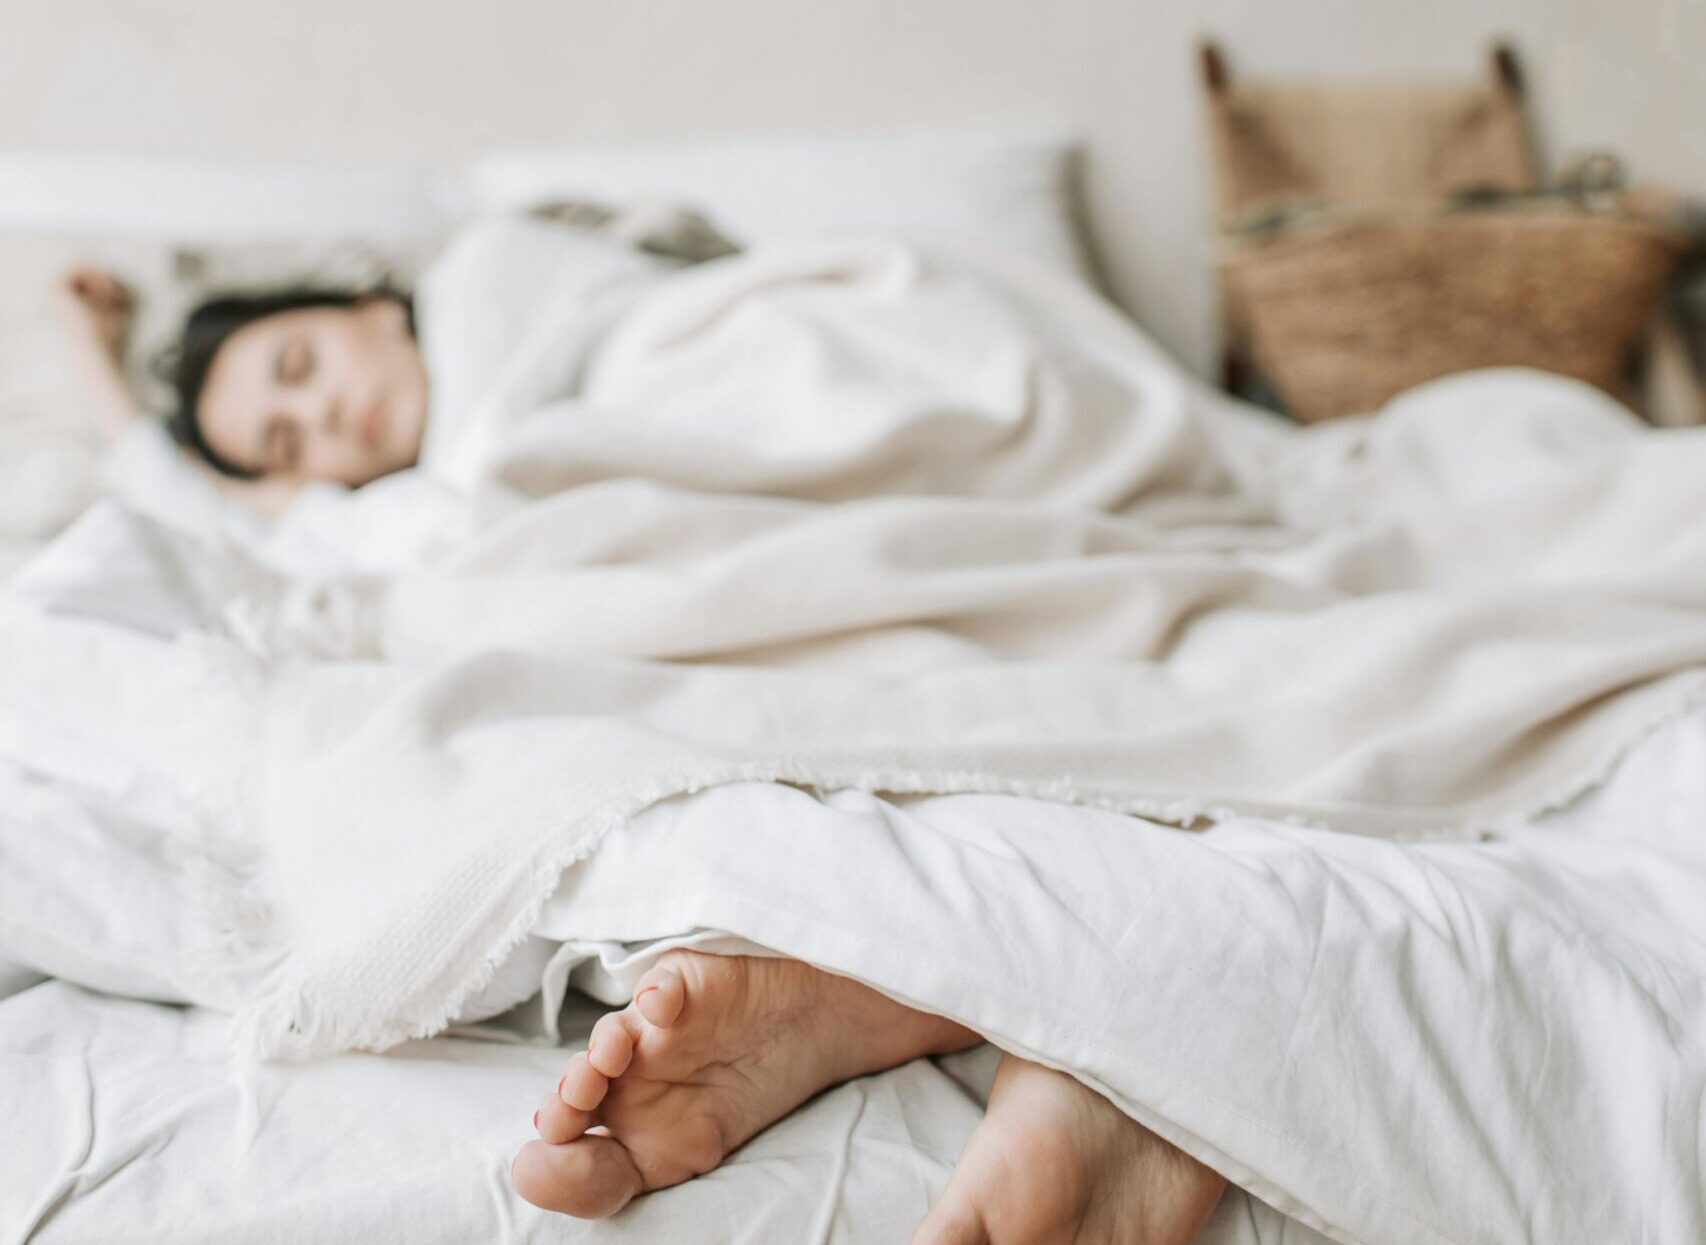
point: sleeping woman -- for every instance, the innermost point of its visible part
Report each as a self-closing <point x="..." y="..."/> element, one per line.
<point x="316" y="386"/>
<point x="834" y="369"/>
<point x="306" y="385"/>
<point x="274" y="391"/>
<point x="301" y="385"/>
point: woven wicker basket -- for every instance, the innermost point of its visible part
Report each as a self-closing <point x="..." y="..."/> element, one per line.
<point x="1343" y="312"/>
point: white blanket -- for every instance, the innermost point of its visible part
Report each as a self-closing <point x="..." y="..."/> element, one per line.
<point x="1430" y="625"/>
<point x="1433" y="624"/>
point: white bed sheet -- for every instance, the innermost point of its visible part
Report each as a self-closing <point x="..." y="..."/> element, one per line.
<point x="126" y="1121"/>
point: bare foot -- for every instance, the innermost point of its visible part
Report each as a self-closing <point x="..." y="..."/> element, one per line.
<point x="712" y="1050"/>
<point x="1054" y="1163"/>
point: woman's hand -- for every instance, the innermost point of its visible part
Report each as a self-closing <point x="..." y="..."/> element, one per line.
<point x="99" y="309"/>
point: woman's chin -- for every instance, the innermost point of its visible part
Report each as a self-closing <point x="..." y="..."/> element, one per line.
<point x="391" y="465"/>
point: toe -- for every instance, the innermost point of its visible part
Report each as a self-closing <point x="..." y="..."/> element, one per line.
<point x="951" y="1222"/>
<point x="611" y="1047"/>
<point x="583" y="1086"/>
<point x="589" y="1178"/>
<point x="660" y="996"/>
<point x="558" y="1122"/>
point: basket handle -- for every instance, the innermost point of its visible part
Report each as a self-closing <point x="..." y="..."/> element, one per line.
<point x="1507" y="70"/>
<point x="1212" y="65"/>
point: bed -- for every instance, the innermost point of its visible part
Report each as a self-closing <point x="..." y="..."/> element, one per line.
<point x="1465" y="972"/>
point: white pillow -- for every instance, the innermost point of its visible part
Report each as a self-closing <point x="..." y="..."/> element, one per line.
<point x="1012" y="188"/>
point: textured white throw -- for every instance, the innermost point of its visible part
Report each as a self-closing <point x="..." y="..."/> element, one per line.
<point x="1426" y="625"/>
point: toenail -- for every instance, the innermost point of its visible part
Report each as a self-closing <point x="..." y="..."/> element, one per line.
<point x="562" y="1083"/>
<point x="536" y="1119"/>
<point x="643" y="989"/>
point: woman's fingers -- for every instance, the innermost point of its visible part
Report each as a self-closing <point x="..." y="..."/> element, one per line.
<point x="100" y="288"/>
<point x="99" y="308"/>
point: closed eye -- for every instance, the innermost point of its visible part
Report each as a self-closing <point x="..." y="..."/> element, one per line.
<point x="295" y="362"/>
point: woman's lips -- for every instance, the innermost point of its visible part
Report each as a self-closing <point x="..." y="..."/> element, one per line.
<point x="373" y="425"/>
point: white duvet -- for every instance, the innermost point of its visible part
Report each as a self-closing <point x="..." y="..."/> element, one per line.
<point x="1388" y="1043"/>
<point x="432" y="1125"/>
<point x="1441" y="624"/>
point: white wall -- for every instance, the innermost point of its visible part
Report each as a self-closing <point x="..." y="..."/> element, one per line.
<point x="430" y="81"/>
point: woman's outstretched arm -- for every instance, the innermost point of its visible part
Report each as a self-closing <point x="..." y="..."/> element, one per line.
<point x="98" y="309"/>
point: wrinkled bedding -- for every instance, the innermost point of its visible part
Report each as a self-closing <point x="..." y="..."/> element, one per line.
<point x="1537" y="1001"/>
<point x="131" y="1112"/>
<point x="954" y="671"/>
<point x="126" y="1113"/>
<point x="127" y="1123"/>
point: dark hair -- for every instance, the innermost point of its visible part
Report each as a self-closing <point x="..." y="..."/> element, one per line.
<point x="211" y="325"/>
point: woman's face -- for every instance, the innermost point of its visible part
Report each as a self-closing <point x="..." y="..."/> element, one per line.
<point x="321" y="393"/>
